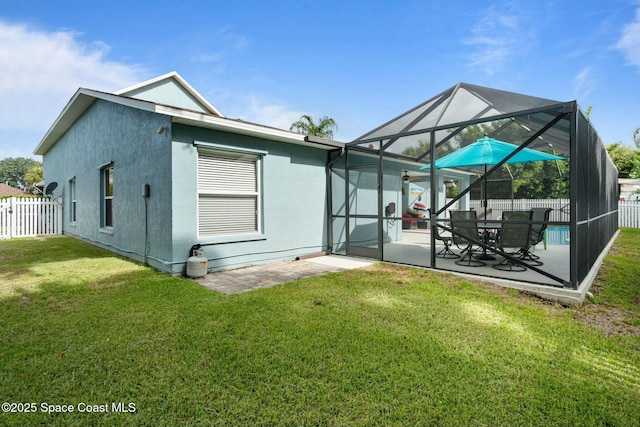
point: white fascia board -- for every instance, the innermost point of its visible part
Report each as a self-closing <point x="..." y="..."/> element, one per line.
<point x="197" y="95"/>
<point x="84" y="98"/>
<point x="137" y="86"/>
<point x="193" y="118"/>
<point x="77" y="105"/>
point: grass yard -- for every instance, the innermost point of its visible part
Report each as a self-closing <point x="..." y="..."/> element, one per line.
<point x="387" y="345"/>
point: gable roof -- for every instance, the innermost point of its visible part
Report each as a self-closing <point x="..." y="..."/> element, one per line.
<point x="84" y="98"/>
<point x="170" y="89"/>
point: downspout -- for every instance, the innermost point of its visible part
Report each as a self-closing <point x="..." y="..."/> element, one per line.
<point x="145" y="196"/>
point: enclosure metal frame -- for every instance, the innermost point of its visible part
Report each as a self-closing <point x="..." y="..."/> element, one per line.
<point x="558" y="111"/>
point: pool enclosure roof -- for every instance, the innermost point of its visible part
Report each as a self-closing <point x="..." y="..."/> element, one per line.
<point x="466" y="104"/>
<point x="446" y="124"/>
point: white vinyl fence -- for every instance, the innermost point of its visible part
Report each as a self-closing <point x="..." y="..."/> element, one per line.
<point x="29" y="216"/>
<point x="628" y="212"/>
<point x="559" y="213"/>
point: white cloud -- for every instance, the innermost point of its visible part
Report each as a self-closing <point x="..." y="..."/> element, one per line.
<point x="42" y="70"/>
<point x="583" y="83"/>
<point x="226" y="36"/>
<point x="256" y="111"/>
<point x="495" y="38"/>
<point x="629" y="43"/>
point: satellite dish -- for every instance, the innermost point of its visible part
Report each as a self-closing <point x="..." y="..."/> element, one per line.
<point x="49" y="190"/>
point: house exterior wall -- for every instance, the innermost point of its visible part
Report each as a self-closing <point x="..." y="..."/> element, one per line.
<point x="127" y="137"/>
<point x="294" y="201"/>
<point x="293" y="190"/>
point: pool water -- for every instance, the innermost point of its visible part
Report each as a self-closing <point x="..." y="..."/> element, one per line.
<point x="558" y="235"/>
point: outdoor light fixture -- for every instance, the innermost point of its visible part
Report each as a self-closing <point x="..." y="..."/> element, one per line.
<point x="406" y="178"/>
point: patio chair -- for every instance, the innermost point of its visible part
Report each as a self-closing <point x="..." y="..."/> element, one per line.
<point x="513" y="235"/>
<point x="537" y="234"/>
<point x="480" y="213"/>
<point x="446" y="240"/>
<point x="464" y="234"/>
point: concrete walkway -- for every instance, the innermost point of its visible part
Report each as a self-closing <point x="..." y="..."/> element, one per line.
<point x="262" y="276"/>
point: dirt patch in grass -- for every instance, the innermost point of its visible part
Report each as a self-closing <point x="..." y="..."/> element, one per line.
<point x="610" y="320"/>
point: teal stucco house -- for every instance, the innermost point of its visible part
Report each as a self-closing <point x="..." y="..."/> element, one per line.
<point x="151" y="170"/>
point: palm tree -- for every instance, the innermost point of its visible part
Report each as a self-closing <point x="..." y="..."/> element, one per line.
<point x="306" y="125"/>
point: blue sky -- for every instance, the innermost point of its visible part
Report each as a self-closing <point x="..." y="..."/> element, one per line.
<point x="359" y="62"/>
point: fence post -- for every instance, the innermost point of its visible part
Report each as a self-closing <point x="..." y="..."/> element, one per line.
<point x="13" y="208"/>
<point x="58" y="209"/>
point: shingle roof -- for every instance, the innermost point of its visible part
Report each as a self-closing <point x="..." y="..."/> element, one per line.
<point x="7" y="190"/>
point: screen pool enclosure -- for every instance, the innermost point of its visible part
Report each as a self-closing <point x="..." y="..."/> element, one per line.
<point x="394" y="191"/>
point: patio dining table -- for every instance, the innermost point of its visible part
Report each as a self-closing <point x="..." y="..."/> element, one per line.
<point x="487" y="228"/>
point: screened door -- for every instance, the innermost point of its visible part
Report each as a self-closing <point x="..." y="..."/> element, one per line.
<point x="363" y="211"/>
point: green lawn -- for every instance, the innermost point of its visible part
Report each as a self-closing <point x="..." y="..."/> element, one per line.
<point x="384" y="346"/>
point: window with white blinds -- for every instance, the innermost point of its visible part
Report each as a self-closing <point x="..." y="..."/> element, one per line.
<point x="228" y="193"/>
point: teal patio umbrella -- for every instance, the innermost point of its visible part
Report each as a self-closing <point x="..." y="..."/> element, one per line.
<point x="489" y="151"/>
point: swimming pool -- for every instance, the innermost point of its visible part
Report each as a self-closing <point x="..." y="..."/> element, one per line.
<point x="558" y="235"/>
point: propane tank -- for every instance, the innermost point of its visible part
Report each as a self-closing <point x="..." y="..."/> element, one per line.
<point x="197" y="262"/>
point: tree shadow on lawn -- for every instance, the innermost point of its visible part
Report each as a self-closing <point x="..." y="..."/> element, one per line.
<point x="141" y="286"/>
<point x="36" y="264"/>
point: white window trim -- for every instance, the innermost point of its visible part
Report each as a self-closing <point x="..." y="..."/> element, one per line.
<point x="212" y="147"/>
<point x="221" y="150"/>
<point x="73" y="189"/>
<point x="103" y="202"/>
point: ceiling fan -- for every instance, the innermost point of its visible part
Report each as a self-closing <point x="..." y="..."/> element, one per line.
<point x="407" y="179"/>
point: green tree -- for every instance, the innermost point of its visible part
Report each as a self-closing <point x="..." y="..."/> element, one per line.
<point x="588" y="112"/>
<point x="33" y="176"/>
<point x="14" y="169"/>
<point x="540" y="180"/>
<point x="636" y="138"/>
<point x="421" y="149"/>
<point x="323" y="129"/>
<point x="418" y="150"/>
<point x="626" y="159"/>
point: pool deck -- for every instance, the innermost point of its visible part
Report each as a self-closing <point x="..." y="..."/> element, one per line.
<point x="414" y="249"/>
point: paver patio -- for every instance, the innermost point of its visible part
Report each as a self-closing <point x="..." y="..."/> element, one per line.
<point x="262" y="276"/>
